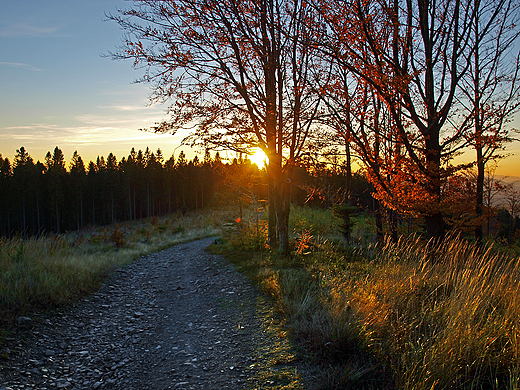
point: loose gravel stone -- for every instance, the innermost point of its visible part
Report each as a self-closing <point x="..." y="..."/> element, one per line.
<point x="181" y="318"/>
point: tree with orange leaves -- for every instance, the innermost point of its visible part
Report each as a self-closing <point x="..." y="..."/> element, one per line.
<point x="413" y="55"/>
<point x="237" y="72"/>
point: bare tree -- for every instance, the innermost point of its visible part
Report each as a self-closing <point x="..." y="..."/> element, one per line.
<point x="491" y="88"/>
<point x="235" y="71"/>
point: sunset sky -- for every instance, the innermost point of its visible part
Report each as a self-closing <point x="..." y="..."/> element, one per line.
<point x="56" y="88"/>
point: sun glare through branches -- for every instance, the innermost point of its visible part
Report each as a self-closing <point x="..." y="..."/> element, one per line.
<point x="258" y="157"/>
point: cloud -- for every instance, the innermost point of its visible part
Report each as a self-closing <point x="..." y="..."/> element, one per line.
<point x="89" y="139"/>
<point x="35" y="134"/>
<point x="21" y="65"/>
<point x="33" y="126"/>
<point x="120" y="121"/>
<point x="21" y="29"/>
<point x="32" y="133"/>
<point x="128" y="108"/>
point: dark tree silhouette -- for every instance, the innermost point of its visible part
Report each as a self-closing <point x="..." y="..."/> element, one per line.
<point x="240" y="71"/>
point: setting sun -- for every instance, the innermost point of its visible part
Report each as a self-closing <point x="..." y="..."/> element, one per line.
<point x="258" y="157"/>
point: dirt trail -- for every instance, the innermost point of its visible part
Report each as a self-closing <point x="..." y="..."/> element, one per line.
<point x="181" y="318"/>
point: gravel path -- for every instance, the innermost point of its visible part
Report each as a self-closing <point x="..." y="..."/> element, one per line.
<point x="181" y="318"/>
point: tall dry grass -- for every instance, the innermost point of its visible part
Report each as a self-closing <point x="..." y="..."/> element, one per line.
<point x="442" y="315"/>
<point x="411" y="315"/>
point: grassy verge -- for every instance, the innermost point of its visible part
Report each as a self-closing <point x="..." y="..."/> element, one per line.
<point x="45" y="272"/>
<point x="410" y="315"/>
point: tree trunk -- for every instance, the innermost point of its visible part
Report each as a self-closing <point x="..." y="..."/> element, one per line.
<point x="271" y="209"/>
<point x="392" y="221"/>
<point x="38" y="210"/>
<point x="435" y="227"/>
<point x="147" y="200"/>
<point x="379" y="221"/>
<point x="348" y="179"/>
<point x="58" y="227"/>
<point x="112" y="204"/>
<point x="271" y="117"/>
<point x="8" y="221"/>
<point x="283" y="230"/>
<point x="479" y="235"/>
<point x="81" y="208"/>
<point x="479" y="201"/>
<point x="283" y="210"/>
<point x="77" y="215"/>
<point x="135" y="207"/>
<point x="130" y="204"/>
<point x="23" y="213"/>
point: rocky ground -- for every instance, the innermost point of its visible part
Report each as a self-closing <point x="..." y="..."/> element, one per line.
<point x="181" y="318"/>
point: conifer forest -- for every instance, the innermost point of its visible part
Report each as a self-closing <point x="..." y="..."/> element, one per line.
<point x="55" y="196"/>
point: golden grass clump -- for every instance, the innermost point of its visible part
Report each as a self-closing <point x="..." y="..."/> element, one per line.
<point x="444" y="316"/>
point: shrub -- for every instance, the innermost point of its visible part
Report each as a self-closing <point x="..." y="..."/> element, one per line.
<point x="117" y="238"/>
<point x="246" y="236"/>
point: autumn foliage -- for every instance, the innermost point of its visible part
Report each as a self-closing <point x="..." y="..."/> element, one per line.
<point x="401" y="86"/>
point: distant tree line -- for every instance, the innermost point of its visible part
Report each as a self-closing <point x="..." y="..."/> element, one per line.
<point x="48" y="196"/>
<point x="53" y="196"/>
